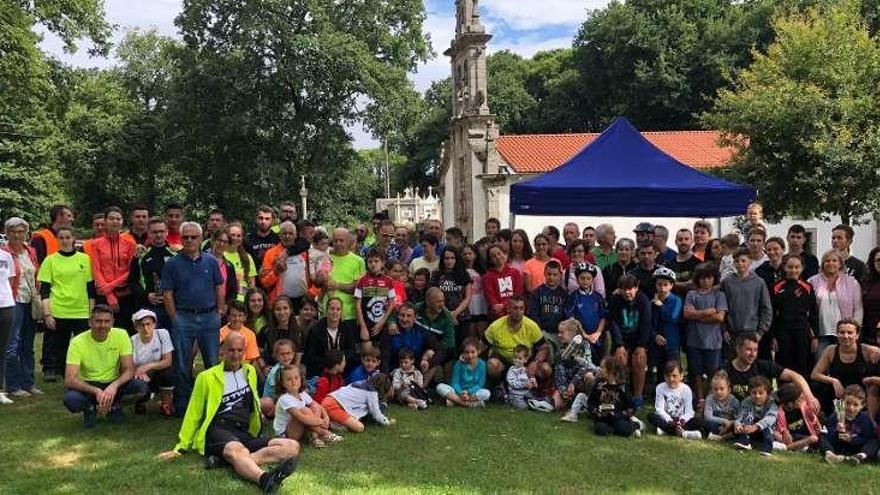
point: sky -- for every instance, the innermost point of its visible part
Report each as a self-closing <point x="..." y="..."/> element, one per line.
<point x="524" y="27"/>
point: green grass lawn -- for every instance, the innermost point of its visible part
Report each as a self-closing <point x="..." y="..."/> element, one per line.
<point x="46" y="450"/>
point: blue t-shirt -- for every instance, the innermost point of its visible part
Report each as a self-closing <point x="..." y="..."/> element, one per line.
<point x="192" y="280"/>
<point x="587" y="308"/>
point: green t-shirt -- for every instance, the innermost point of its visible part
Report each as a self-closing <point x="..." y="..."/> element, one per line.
<point x="346" y="270"/>
<point x="99" y="361"/>
<point x="234" y="258"/>
<point x="70" y="277"/>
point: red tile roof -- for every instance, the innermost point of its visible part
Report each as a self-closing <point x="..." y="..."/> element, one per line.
<point x="538" y="153"/>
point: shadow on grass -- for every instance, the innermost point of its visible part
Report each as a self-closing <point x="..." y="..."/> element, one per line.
<point x="436" y="451"/>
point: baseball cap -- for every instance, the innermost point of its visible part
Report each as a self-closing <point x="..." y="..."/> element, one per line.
<point x="141" y="314"/>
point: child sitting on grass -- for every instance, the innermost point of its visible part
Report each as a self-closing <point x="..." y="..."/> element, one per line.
<point x="797" y="421"/>
<point x="610" y="404"/>
<point x="757" y="417"/>
<point x="369" y="366"/>
<point x="407" y="382"/>
<point x="236" y="315"/>
<point x="467" y="387"/>
<point x="297" y="413"/>
<point x="673" y="406"/>
<point x="721" y="409"/>
<point x="284" y="353"/>
<point x="574" y="371"/>
<point x="519" y="383"/>
<point x="850" y="438"/>
<point x="349" y="404"/>
<point x="331" y="380"/>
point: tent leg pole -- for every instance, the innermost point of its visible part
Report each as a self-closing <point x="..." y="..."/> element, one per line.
<point x="718" y="225"/>
<point x="512" y="221"/>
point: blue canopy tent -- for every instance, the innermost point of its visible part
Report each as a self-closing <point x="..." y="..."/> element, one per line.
<point x="622" y="174"/>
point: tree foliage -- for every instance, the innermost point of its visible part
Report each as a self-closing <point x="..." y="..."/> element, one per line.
<point x="805" y="116"/>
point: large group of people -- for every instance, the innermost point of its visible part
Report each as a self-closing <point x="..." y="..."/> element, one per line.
<point x="316" y="330"/>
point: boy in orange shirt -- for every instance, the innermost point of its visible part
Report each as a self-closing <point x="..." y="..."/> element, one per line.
<point x="236" y="316"/>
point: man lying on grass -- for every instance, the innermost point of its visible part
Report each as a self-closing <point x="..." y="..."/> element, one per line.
<point x="223" y="421"/>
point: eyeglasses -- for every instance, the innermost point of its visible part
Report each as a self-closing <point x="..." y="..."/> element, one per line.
<point x="388" y="235"/>
<point x="189" y="237"/>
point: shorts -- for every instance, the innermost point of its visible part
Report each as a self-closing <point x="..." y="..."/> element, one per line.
<point x="223" y="432"/>
<point x="703" y="361"/>
<point x="630" y="342"/>
<point x="336" y="412"/>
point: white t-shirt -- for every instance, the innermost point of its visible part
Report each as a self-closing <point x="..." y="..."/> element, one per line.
<point x="7" y="272"/>
<point x="285" y="402"/>
<point x="293" y="280"/>
<point x="153" y="350"/>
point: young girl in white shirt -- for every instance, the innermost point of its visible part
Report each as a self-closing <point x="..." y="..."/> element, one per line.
<point x="296" y="412"/>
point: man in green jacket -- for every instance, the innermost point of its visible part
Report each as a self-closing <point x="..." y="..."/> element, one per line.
<point x="223" y="421"/>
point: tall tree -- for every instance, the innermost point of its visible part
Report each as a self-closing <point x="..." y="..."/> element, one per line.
<point x="805" y="116"/>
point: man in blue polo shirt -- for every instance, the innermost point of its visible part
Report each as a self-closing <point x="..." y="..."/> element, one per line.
<point x="193" y="295"/>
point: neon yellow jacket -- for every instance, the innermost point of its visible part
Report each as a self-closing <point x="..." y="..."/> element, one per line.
<point x="203" y="405"/>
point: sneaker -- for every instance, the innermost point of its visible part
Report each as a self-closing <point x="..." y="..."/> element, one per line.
<point x="638" y="422"/>
<point x="832" y="458"/>
<point x="742" y="445"/>
<point x="477" y="403"/>
<point x="90" y="417"/>
<point x="570" y="417"/>
<point x="4" y="399"/>
<point x="540" y="405"/>
<point x="691" y="435"/>
<point x="36" y="391"/>
<point x="116" y="416"/>
<point x="213" y="461"/>
<point x="660" y="432"/>
<point x="20" y="393"/>
<point x="637" y="434"/>
<point x="857" y="459"/>
<point x="766" y="453"/>
<point x="333" y="438"/>
<point x="272" y="480"/>
<point x="714" y="437"/>
<point x="422" y="404"/>
<point x="779" y="446"/>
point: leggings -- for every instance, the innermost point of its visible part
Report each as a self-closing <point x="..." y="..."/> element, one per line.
<point x="794" y="350"/>
<point x="692" y="424"/>
<point x="7" y="315"/>
<point x="56" y="342"/>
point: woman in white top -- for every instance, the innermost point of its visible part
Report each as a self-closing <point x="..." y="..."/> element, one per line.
<point x="152" y="348"/>
<point x="7" y="313"/>
<point x="838" y="296"/>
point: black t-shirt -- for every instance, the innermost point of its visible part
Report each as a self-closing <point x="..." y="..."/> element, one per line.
<point x="796" y="424"/>
<point x="646" y="280"/>
<point x="257" y="246"/>
<point x="684" y="270"/>
<point x="237" y="402"/>
<point x="855" y="268"/>
<point x="454" y="288"/>
<point x="739" y="380"/>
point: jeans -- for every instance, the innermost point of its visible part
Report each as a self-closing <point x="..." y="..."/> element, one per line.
<point x="77" y="401"/>
<point x="189" y="328"/>
<point x="765" y="436"/>
<point x="20" y="350"/>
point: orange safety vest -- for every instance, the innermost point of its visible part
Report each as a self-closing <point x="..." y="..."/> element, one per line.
<point x="49" y="238"/>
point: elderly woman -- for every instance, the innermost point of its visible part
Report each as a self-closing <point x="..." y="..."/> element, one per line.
<point x="846" y="363"/>
<point x="838" y="296"/>
<point x="20" y="348"/>
<point x="578" y="253"/>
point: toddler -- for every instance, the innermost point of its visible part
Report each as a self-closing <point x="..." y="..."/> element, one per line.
<point x="850" y="437"/>
<point x="673" y="406"/>
<point x="721" y="409"/>
<point x="519" y="383"/>
<point x="610" y="404"/>
<point x="407" y="382"/>
<point x="331" y="379"/>
<point x="729" y="244"/>
<point x="297" y="413"/>
<point x="467" y="387"/>
<point x="757" y="417"/>
<point x="347" y="405"/>
<point x="574" y="371"/>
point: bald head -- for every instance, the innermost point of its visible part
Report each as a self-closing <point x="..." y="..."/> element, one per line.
<point x="434" y="299"/>
<point x="340" y="241"/>
<point x="232" y="350"/>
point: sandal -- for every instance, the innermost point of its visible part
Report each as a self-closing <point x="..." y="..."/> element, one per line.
<point x="333" y="438"/>
<point x="318" y="443"/>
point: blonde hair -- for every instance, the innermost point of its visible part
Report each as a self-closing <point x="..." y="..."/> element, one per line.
<point x="572" y="325"/>
<point x="832" y="252"/>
